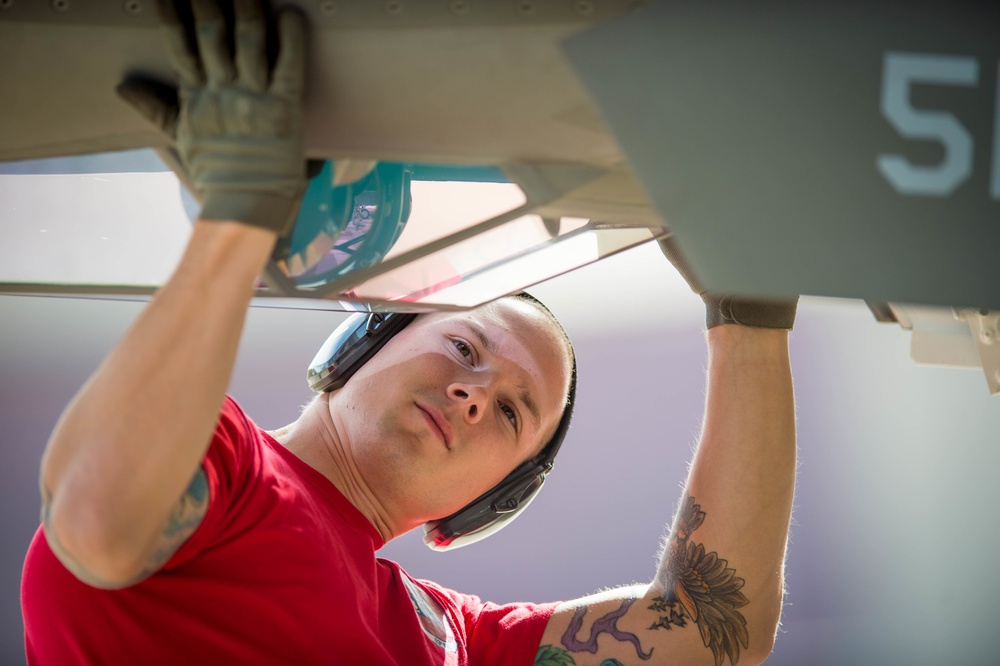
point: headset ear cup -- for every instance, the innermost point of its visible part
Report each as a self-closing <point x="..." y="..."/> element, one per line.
<point x="489" y="512"/>
<point x="349" y="347"/>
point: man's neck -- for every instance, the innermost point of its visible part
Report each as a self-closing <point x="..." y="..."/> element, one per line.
<point x="313" y="438"/>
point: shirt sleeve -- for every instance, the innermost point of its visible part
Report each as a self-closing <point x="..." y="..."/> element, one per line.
<point x="230" y="455"/>
<point x="499" y="634"/>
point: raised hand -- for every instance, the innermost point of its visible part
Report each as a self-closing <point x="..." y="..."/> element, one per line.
<point x="235" y="122"/>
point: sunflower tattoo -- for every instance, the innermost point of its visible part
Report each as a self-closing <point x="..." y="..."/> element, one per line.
<point x="701" y="588"/>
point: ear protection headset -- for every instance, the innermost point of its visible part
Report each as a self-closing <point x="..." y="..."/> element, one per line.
<point x="357" y="340"/>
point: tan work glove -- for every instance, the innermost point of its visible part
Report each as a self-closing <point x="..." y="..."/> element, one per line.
<point x="236" y="124"/>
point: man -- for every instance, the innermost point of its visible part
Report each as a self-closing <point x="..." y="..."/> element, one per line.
<point x="174" y="530"/>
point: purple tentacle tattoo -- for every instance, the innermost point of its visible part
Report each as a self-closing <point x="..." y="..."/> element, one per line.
<point x="603" y="625"/>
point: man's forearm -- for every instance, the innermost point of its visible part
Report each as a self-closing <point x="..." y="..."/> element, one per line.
<point x="129" y="443"/>
<point x="717" y="593"/>
<point x="723" y="563"/>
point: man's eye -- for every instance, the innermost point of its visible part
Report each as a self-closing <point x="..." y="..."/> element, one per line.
<point x="464" y="349"/>
<point x="509" y="413"/>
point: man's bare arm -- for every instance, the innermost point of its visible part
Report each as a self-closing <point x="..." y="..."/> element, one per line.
<point x="120" y="481"/>
<point x="128" y="447"/>
<point x="717" y="594"/>
<point x="183" y="521"/>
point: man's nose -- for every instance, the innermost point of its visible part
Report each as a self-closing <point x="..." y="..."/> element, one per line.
<point x="473" y="397"/>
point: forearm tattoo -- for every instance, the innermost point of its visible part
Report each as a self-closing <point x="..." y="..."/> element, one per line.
<point x="698" y="587"/>
<point x="604" y="625"/>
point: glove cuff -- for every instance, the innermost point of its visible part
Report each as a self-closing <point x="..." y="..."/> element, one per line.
<point x="268" y="211"/>
<point x="758" y="313"/>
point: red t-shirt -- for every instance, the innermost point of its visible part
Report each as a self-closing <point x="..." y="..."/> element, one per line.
<point x="281" y="570"/>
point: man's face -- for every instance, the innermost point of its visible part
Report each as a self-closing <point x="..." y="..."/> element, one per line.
<point x="451" y="405"/>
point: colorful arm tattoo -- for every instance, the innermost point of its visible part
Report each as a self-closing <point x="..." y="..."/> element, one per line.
<point x="697" y="586"/>
<point x="604" y="625"/>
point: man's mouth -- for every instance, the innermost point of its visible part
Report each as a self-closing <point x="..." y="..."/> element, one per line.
<point x="437" y="423"/>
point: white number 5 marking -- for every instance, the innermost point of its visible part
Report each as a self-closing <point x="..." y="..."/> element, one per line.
<point x="899" y="72"/>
